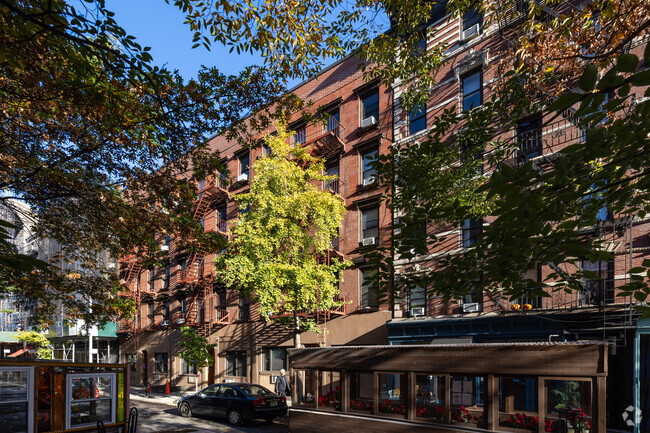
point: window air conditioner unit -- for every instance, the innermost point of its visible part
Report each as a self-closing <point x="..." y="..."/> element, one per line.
<point x="164" y="323"/>
<point x="164" y="248"/>
<point x="111" y="265"/>
<point x="369" y="180"/>
<point x="274" y="378"/>
<point x="471" y="307"/>
<point x="369" y="241"/>
<point x="368" y="121"/>
<point x="242" y="177"/>
<point x="419" y="311"/>
<point x="180" y="321"/>
<point x="471" y="32"/>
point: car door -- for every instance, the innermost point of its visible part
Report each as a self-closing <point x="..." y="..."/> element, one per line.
<point x="203" y="403"/>
<point x="225" y="399"/>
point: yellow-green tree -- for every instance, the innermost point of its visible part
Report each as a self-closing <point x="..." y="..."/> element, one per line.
<point x="36" y="341"/>
<point x="287" y="224"/>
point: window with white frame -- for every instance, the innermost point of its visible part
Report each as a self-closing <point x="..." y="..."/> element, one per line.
<point x="243" y="166"/>
<point x="417" y="118"/>
<point x="91" y="397"/>
<point x="370" y="226"/>
<point x="368" y="170"/>
<point x="368" y="288"/>
<point x="370" y="107"/>
<point x="188" y="368"/>
<point x="17" y="399"/>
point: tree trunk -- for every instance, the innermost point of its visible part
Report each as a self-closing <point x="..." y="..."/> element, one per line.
<point x="296" y="330"/>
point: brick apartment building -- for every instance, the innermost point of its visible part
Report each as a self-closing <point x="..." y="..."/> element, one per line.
<point x="356" y="127"/>
<point x="361" y="120"/>
<point x="594" y="313"/>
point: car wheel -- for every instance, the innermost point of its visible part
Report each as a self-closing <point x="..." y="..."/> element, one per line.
<point x="234" y="417"/>
<point x="186" y="410"/>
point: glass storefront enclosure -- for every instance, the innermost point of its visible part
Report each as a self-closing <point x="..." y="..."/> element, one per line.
<point x="550" y="387"/>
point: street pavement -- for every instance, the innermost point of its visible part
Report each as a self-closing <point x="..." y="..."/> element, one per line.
<point x="158" y="414"/>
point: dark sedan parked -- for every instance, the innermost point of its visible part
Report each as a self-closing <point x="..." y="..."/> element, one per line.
<point x="235" y="401"/>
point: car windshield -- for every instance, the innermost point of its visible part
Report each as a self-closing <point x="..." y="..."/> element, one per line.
<point x="255" y="390"/>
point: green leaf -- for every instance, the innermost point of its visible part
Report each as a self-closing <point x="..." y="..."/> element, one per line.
<point x="627" y="62"/>
<point x="641" y="78"/>
<point x="588" y="78"/>
<point x="564" y="101"/>
<point x="640" y="296"/>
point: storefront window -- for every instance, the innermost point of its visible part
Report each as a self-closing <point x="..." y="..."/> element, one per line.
<point x="392" y="394"/>
<point x="467" y="400"/>
<point x="362" y="392"/>
<point x="430" y="397"/>
<point x="15" y="401"/>
<point x="518" y="403"/>
<point x="329" y="390"/>
<point x="569" y="401"/>
<point x="305" y="388"/>
<point x="91" y="397"/>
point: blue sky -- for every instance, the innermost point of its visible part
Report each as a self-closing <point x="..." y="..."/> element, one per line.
<point x="160" y="26"/>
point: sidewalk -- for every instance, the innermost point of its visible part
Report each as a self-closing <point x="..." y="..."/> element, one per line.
<point x="139" y="394"/>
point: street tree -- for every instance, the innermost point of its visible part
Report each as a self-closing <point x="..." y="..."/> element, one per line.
<point x="100" y="143"/>
<point x="195" y="350"/>
<point x="285" y="229"/>
<point x="36" y="341"/>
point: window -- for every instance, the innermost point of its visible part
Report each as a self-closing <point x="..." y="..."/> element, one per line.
<point x="517" y="395"/>
<point x="165" y="312"/>
<point x="90" y="397"/>
<point x="150" y="314"/>
<point x="182" y="267"/>
<point x="188" y="368"/>
<point x="472" y="87"/>
<point x="430" y="397"/>
<point x="243" y="167"/>
<point x="529" y="137"/>
<point x="393" y="394"/>
<point x="370" y="226"/>
<point x="132" y="359"/>
<point x="471" y="18"/>
<point x="369" y="289"/>
<point x="236" y="364"/>
<point x="275" y="359"/>
<point x="417" y="118"/>
<point x="368" y="170"/>
<point x="472" y="230"/>
<point x="417" y="301"/>
<point x="266" y="150"/>
<point x="369" y="108"/>
<point x="533" y="301"/>
<point x="333" y="184"/>
<point x="161" y="363"/>
<point x="597" y="282"/>
<point x="166" y="278"/>
<point x="17" y="398"/>
<point x="182" y="306"/>
<point x="333" y="121"/>
<point x="200" y="313"/>
<point x="152" y="279"/>
<point x="467" y="398"/>
<point x="362" y="392"/>
<point x="329" y="390"/>
<point x="305" y="387"/>
<point x="466" y="154"/>
<point x="222" y="219"/>
<point x="299" y="135"/>
<point x="244" y="309"/>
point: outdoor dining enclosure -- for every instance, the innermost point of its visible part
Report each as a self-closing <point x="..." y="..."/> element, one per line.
<point x="517" y="387"/>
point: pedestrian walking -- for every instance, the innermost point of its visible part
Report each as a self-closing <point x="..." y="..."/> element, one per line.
<point x="282" y="387"/>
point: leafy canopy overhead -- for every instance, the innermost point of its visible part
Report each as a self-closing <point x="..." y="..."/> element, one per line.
<point x="286" y="226"/>
<point x="101" y="145"/>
